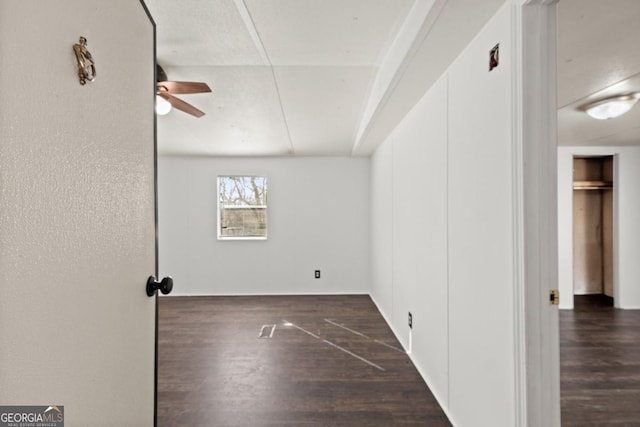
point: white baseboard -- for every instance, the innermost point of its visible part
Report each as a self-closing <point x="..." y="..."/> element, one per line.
<point x="418" y="366"/>
<point x="262" y="294"/>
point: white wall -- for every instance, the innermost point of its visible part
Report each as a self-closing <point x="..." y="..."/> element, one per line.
<point x="452" y="262"/>
<point x="318" y="219"/>
<point x="381" y="234"/>
<point x="419" y="258"/>
<point x="626" y="223"/>
<point x="481" y="231"/>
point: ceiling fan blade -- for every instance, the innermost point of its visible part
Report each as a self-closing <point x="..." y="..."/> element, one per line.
<point x="181" y="105"/>
<point x="183" y="87"/>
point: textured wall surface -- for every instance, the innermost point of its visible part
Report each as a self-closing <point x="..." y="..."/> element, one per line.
<point x="77" y="210"/>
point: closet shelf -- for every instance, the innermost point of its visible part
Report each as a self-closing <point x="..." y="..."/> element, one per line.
<point x="592" y="185"/>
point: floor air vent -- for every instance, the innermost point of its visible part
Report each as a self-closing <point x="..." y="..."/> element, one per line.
<point x="267" y="331"/>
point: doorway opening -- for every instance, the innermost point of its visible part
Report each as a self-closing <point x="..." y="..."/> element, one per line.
<point x="593" y="232"/>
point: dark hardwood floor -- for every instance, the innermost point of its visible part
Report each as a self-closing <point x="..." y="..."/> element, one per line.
<point x="599" y="364"/>
<point x="332" y="361"/>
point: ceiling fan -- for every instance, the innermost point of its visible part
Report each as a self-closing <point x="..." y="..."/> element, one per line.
<point x="166" y="89"/>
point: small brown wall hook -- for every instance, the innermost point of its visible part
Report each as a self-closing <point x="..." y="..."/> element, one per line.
<point x="86" y="66"/>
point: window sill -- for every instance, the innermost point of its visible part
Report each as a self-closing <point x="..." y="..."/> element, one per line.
<point x="241" y="238"/>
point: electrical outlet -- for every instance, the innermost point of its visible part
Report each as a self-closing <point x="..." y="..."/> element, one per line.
<point x="317" y="274"/>
<point x="410" y="321"/>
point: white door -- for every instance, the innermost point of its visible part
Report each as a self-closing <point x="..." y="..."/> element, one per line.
<point x="77" y="211"/>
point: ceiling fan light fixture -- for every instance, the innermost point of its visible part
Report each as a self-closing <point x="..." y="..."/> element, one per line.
<point x="611" y="108"/>
<point x="162" y="106"/>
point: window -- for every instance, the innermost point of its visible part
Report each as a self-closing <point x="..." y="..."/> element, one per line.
<point x="242" y="207"/>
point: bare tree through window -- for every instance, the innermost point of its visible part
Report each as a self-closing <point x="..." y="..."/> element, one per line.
<point x="242" y="207"/>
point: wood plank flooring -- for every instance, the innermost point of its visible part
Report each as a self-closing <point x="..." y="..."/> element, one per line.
<point x="599" y="364"/>
<point x="332" y="361"/>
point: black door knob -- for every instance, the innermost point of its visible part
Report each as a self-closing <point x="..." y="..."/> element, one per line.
<point x="165" y="286"/>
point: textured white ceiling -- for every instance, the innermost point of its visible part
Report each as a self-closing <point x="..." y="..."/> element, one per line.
<point x="243" y="115"/>
<point x="597" y="45"/>
<point x="327" y="32"/>
<point x="598" y="56"/>
<point x="289" y="77"/>
<point x="201" y="33"/>
<point x="333" y="77"/>
<point x="323" y="106"/>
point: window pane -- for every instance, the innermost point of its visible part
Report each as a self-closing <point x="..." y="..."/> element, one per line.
<point x="242" y="207"/>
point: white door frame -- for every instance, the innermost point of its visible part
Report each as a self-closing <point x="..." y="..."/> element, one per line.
<point x="535" y="187"/>
<point x="156" y="272"/>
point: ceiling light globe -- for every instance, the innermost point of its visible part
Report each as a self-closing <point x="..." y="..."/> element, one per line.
<point x="612" y="108"/>
<point x="162" y="106"/>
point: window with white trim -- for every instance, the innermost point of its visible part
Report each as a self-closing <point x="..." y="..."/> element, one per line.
<point x="242" y="207"/>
